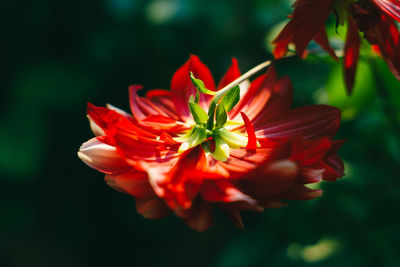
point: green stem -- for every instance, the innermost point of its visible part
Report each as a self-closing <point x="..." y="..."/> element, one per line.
<point x="243" y="78"/>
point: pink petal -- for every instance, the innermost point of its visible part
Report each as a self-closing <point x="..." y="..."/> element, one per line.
<point x="102" y="157"/>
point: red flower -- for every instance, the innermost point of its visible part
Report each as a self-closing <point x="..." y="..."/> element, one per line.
<point x="172" y="158"/>
<point x="373" y="18"/>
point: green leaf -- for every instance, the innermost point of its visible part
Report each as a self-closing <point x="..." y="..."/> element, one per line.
<point x="221" y="115"/>
<point x="231" y="98"/>
<point x="199" y="115"/>
<point x="200" y="85"/>
<point x="364" y="91"/>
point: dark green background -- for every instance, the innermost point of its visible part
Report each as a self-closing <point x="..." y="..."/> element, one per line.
<point x="55" y="211"/>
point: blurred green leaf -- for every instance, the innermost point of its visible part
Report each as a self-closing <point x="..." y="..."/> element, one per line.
<point x="364" y="91"/>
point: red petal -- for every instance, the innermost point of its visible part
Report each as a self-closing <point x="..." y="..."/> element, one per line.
<point x="391" y="7"/>
<point x="334" y="167"/>
<point x="152" y="208"/>
<point x="103" y="117"/>
<point x="351" y="53"/>
<point x="231" y="74"/>
<point x="182" y="87"/>
<point x="279" y="102"/>
<point x="301" y="192"/>
<point x="307" y="19"/>
<point x="223" y="191"/>
<point x="132" y="183"/>
<point x="322" y="39"/>
<point x="201" y="217"/>
<point x="251" y="135"/>
<point x="272" y="179"/>
<point x="306" y="122"/>
<point x="163" y="100"/>
<point x="253" y="102"/>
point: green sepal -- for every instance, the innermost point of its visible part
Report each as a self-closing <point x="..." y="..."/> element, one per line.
<point x="196" y="137"/>
<point x="197" y="99"/>
<point x="221" y="115"/>
<point x="231" y="98"/>
<point x="200" y="85"/>
<point x="211" y="112"/>
<point x="199" y="115"/>
<point x="221" y="151"/>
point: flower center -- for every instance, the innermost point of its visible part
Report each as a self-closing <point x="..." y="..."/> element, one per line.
<point x="211" y="128"/>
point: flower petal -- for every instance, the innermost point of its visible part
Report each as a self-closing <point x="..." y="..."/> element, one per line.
<point x="307" y="19"/>
<point x="133" y="183"/>
<point x="152" y="208"/>
<point x="253" y="102"/>
<point x="201" y="217"/>
<point x="271" y="179"/>
<point x="279" y="102"/>
<point x="390" y="7"/>
<point x="163" y="100"/>
<point x="322" y="39"/>
<point x="102" y="157"/>
<point x="223" y="191"/>
<point x="306" y="122"/>
<point x="182" y="87"/>
<point x="231" y="74"/>
<point x="251" y="135"/>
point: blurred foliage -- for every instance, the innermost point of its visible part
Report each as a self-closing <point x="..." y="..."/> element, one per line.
<point x="55" y="211"/>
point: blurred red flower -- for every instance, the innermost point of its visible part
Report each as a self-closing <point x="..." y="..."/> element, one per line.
<point x="373" y="18"/>
<point x="261" y="153"/>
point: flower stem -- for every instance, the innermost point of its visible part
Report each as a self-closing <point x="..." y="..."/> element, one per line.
<point x="244" y="77"/>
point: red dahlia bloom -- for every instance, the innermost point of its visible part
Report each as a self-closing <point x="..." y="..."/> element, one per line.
<point x="246" y="154"/>
<point x="373" y="18"/>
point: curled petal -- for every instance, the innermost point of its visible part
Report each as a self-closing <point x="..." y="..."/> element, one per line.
<point x="102" y="157"/>
<point x="251" y="135"/>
